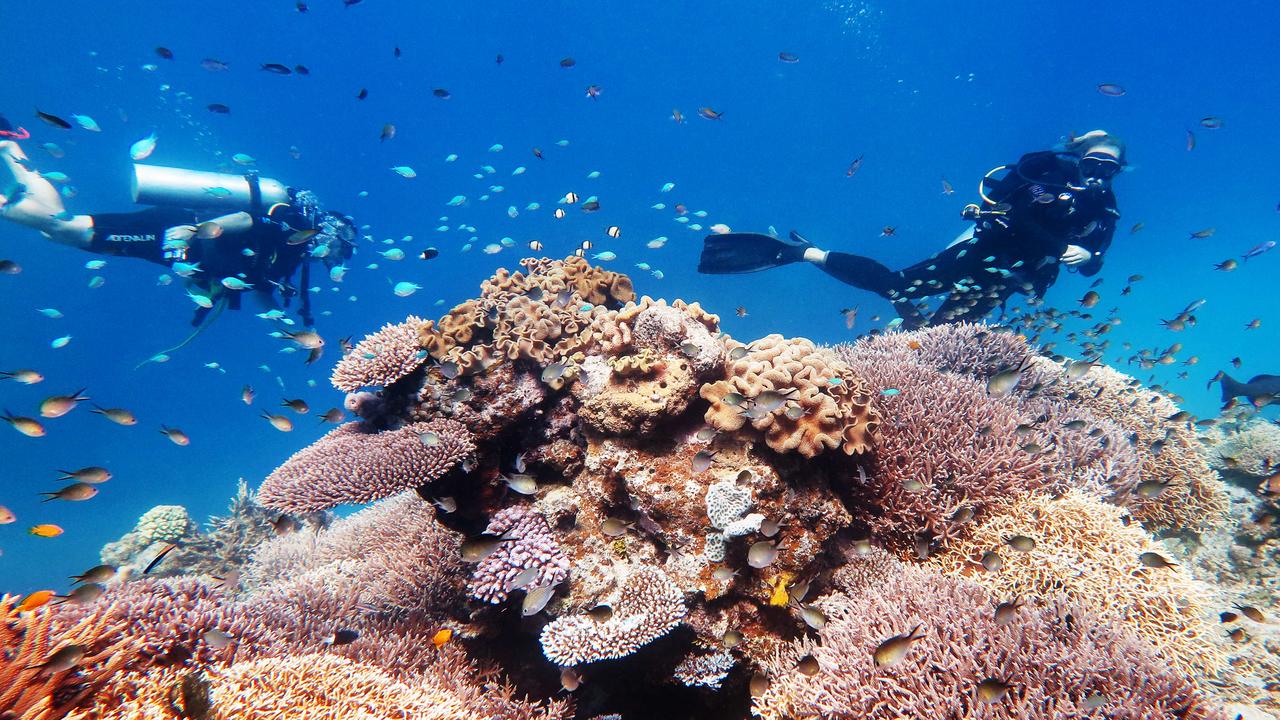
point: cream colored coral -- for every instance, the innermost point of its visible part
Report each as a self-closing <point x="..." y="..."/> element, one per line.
<point x="381" y="358"/>
<point x="1085" y="551"/>
<point x="163" y="523"/>
<point x="827" y="406"/>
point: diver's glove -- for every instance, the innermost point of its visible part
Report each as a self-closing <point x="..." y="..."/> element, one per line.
<point x="1075" y="255"/>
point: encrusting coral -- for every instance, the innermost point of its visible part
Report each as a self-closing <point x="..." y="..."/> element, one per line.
<point x="352" y="464"/>
<point x="1049" y="661"/>
<point x="801" y="397"/>
<point x="1082" y="549"/>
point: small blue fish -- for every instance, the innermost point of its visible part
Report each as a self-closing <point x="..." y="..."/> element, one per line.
<point x="87" y="123"/>
<point x="61" y="342"/>
<point x="405" y="289"/>
<point x="405" y="171"/>
<point x="235" y="283"/>
<point x="242" y="159"/>
<point x="142" y="149"/>
<point x="890" y="392"/>
<point x="218" y="192"/>
<point x="50" y="312"/>
<point x="182" y="269"/>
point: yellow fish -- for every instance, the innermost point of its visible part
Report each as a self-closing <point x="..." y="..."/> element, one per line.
<point x="46" y="531"/>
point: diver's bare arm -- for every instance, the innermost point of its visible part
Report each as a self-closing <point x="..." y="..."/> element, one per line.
<point x="36" y="203"/>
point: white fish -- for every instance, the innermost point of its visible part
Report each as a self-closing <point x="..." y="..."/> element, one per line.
<point x="235" y="283"/>
<point x="272" y="315"/>
<point x="142" y="149"/>
<point x="532" y="206"/>
<point x="562" y="143"/>
<point x="362" y="194"/>
<point x="96" y="282"/>
<point x="496" y="147"/>
<point x="668" y="187"/>
<point x="320" y="251"/>
<point x="593" y="174"/>
<point x="243" y="159"/>
<point x="451" y="157"/>
<point x="720" y="229"/>
<point x="393" y="254"/>
<point x="405" y="289"/>
<point x="695" y="226"/>
<point x="512" y="212"/>
<point x="643" y="266"/>
<point x="248" y="252"/>
<point x="60" y="342"/>
<point x="405" y="171"/>
<point x="489" y="169"/>
<point x="682" y="219"/>
<point x="492" y="249"/>
<point x="605" y="256"/>
<point x="700" y="213"/>
<point x="87" y="123"/>
<point x="507" y="242"/>
<point x="50" y="312"/>
<point x="496" y="188"/>
<point x="201" y="300"/>
<point x="657" y="275"/>
<point x="457" y="200"/>
<point x="337" y="273"/>
<point x="95" y="264"/>
<point x="518" y="171"/>
<point x="658" y="206"/>
<point x="657" y="242"/>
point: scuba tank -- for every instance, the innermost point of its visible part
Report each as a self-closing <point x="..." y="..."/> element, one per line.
<point x="157" y="185"/>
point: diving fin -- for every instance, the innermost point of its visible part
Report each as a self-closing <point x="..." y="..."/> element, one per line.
<point x="731" y="253"/>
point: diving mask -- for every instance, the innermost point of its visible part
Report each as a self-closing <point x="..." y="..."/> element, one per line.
<point x="1097" y="168"/>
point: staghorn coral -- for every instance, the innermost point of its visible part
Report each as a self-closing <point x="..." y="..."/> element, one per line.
<point x="648" y="605"/>
<point x="1054" y="655"/>
<point x="1251" y="449"/>
<point x="381" y="359"/>
<point x="1168" y="448"/>
<point x="705" y="669"/>
<point x="322" y="686"/>
<point x="975" y="349"/>
<point x="533" y="546"/>
<point x="945" y="453"/>
<point x="353" y="465"/>
<point x="826" y="406"/>
<point x="29" y="639"/>
<point x="1085" y="552"/>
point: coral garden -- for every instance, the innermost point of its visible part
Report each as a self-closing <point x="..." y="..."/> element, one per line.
<point x="581" y="503"/>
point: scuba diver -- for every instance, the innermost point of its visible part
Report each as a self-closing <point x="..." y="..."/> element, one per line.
<point x="1048" y="209"/>
<point x="256" y="249"/>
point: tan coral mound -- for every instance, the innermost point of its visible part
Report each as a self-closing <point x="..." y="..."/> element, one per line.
<point x="801" y="397"/>
<point x="29" y="639"/>
<point x="1194" y="498"/>
<point x="553" y="309"/>
<point x="1086" y="552"/>
<point x="382" y="358"/>
<point x="322" y="686"/>
<point x="1055" y="657"/>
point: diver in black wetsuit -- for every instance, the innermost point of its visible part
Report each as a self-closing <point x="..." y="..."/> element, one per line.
<point x="257" y="251"/>
<point x="1049" y="209"/>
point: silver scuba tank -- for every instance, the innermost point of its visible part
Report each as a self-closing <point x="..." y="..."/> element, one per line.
<point x="180" y="187"/>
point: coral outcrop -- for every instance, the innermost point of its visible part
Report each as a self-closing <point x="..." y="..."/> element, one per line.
<point x="381" y="359"/>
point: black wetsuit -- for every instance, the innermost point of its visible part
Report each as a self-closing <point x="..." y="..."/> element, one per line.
<point x="1013" y="252"/>
<point x="271" y="266"/>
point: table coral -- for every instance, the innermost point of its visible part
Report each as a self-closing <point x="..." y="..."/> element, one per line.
<point x="647" y="606"/>
<point x="802" y="398"/>
<point x="353" y="465"/>
<point x="381" y="359"/>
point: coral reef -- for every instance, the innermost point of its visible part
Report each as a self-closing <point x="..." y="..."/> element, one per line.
<point x="802" y="398"/>
<point x="159" y="526"/>
<point x="647" y="606"/>
<point x="1052" y="660"/>
<point x="1083" y="550"/>
<point x="351" y="464"/>
<point x="1251" y="448"/>
<point x="382" y="358"/>
<point x="532" y="547"/>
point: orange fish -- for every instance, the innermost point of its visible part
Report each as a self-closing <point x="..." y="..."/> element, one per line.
<point x="46" y="531"/>
<point x="442" y="637"/>
<point x="35" y="600"/>
<point x="914" y="344"/>
<point x="6" y="515"/>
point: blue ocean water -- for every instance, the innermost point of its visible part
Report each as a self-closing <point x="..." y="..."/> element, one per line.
<point x="922" y="91"/>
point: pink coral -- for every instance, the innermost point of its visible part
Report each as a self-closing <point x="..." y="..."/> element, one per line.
<point x="946" y="450"/>
<point x="1057" y="659"/>
<point x="382" y="358"/>
<point x="533" y="546"/>
<point x="649" y="606"/>
<point x="353" y="465"/>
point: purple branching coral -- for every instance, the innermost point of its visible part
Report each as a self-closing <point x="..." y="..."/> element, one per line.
<point x="532" y="546"/>
<point x="354" y="465"/>
<point x="648" y="607"/>
<point x="1058" y="661"/>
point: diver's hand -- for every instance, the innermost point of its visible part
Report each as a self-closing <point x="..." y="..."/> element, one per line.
<point x="1074" y="255"/>
<point x="182" y="233"/>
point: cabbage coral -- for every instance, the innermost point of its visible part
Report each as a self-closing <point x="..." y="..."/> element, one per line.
<point x="1085" y="551"/>
<point x="1058" y="660"/>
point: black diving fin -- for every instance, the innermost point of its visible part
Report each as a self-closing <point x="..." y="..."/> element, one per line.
<point x="748" y="252"/>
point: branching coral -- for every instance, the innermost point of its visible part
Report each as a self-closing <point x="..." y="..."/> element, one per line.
<point x="1057" y="660"/>
<point x="705" y="669"/>
<point x="32" y="690"/>
<point x="802" y="398"/>
<point x="946" y="452"/>
<point x="648" y="606"/>
<point x="1252" y="449"/>
<point x="532" y="546"/>
<point x="973" y="349"/>
<point x="382" y="358"/>
<point x="353" y="465"/>
<point x="1084" y="550"/>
